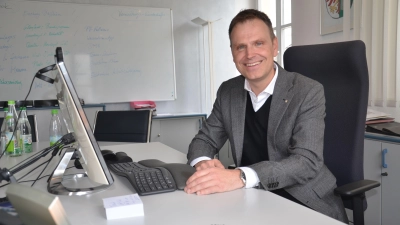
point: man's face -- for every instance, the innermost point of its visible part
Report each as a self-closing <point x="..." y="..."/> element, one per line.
<point x="253" y="51"/>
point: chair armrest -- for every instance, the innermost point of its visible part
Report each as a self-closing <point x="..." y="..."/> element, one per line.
<point x="356" y="188"/>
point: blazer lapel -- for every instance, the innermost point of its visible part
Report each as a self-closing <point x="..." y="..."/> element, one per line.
<point x="238" y="110"/>
<point x="282" y="97"/>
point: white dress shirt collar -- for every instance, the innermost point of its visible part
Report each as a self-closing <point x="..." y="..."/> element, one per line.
<point x="258" y="101"/>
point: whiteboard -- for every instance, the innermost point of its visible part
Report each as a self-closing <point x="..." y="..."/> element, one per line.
<point x="112" y="53"/>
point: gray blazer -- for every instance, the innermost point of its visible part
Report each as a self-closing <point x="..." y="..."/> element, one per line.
<point x="295" y="139"/>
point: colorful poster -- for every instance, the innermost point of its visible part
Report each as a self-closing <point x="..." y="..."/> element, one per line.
<point x="332" y="15"/>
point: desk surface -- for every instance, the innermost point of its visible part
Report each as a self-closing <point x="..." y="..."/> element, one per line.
<point x="243" y="206"/>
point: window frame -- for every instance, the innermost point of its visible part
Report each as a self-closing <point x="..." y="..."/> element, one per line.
<point x="278" y="26"/>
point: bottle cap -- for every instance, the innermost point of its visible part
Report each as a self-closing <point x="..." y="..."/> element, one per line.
<point x="54" y="111"/>
<point x="11" y="102"/>
<point x="22" y="108"/>
<point x="5" y="109"/>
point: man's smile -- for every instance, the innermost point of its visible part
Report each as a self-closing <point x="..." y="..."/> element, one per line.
<point x="252" y="64"/>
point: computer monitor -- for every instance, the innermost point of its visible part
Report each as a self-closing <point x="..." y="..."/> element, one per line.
<point x="87" y="147"/>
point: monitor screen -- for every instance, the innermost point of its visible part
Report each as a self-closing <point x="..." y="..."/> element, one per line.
<point x="77" y="123"/>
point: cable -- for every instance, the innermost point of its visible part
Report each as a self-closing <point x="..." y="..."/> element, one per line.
<point x="37" y="178"/>
<point x="65" y="141"/>
<point x="24" y="181"/>
<point x="26" y="173"/>
<point x="70" y="167"/>
<point x="4" y="185"/>
<point x="48" y="162"/>
<point x="32" y="170"/>
<point x="50" y="174"/>
<point x="62" y="143"/>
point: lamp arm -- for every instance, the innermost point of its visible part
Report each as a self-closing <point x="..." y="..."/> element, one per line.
<point x="6" y="175"/>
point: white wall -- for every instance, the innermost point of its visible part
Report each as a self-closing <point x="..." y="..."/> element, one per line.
<point x="188" y="42"/>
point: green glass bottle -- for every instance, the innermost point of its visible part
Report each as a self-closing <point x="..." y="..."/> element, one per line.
<point x="12" y="131"/>
<point x="26" y="132"/>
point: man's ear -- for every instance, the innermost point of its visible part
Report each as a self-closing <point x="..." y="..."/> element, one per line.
<point x="275" y="46"/>
<point x="233" y="58"/>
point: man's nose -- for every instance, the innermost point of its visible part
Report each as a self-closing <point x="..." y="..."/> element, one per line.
<point x="250" y="52"/>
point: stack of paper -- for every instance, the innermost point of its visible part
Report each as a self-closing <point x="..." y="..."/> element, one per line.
<point x="374" y="116"/>
<point x="123" y="206"/>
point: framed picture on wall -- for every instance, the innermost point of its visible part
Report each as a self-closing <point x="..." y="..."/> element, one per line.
<point x="331" y="16"/>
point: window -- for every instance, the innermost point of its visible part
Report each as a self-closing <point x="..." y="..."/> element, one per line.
<point x="280" y="13"/>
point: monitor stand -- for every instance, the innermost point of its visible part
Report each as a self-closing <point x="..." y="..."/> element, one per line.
<point x="71" y="184"/>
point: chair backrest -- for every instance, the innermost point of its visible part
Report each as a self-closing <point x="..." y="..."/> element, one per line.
<point x="342" y="69"/>
<point x="33" y="123"/>
<point x="123" y="126"/>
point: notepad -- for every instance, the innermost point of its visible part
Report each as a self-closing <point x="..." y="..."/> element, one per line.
<point x="123" y="206"/>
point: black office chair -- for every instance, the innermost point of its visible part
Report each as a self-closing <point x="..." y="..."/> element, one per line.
<point x="342" y="69"/>
<point x="33" y="123"/>
<point x="123" y="126"/>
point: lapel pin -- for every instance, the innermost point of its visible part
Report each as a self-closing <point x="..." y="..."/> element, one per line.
<point x="285" y="100"/>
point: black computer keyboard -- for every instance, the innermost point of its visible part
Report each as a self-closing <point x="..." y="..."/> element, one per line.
<point x="145" y="180"/>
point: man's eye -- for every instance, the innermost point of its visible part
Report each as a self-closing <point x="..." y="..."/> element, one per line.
<point x="240" y="47"/>
<point x="259" y="43"/>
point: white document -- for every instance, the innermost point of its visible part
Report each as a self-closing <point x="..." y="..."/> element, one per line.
<point x="123" y="206"/>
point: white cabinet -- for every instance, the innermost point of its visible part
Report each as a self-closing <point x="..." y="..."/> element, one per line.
<point x="381" y="164"/>
<point x="391" y="184"/>
<point x="176" y="131"/>
<point x="372" y="171"/>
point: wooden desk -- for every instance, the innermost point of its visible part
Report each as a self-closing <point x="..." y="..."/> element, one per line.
<point x="243" y="206"/>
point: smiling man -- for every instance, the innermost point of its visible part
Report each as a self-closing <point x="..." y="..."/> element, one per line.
<point x="274" y="121"/>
